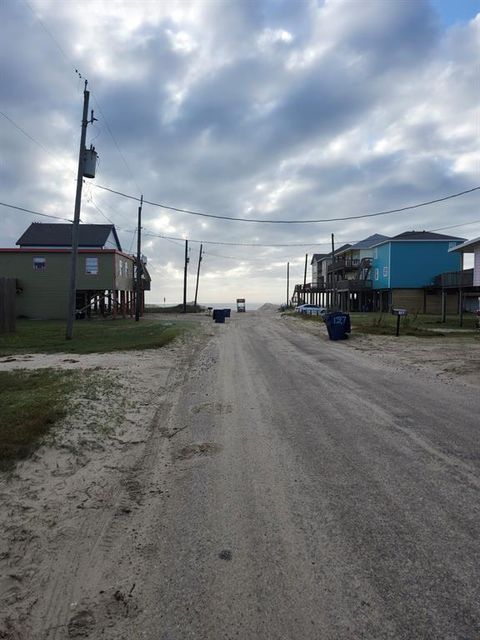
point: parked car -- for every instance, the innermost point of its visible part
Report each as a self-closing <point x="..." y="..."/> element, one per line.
<point x="312" y="310"/>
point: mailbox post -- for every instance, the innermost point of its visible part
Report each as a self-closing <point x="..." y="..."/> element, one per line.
<point x="399" y="312"/>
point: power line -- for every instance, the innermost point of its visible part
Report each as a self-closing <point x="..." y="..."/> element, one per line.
<point x="454" y="226"/>
<point x="37" y="213"/>
<point x="221" y="217"/>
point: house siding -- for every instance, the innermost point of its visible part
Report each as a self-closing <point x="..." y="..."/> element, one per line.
<point x="415" y="264"/>
<point x="412" y="265"/>
<point x="45" y="293"/>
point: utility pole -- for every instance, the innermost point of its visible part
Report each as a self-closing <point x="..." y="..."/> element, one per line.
<point x="305" y="279"/>
<point x="198" y="275"/>
<point x="334" y="282"/>
<point x="139" y="267"/>
<point x="72" y="293"/>
<point x="288" y="284"/>
<point x="185" y="278"/>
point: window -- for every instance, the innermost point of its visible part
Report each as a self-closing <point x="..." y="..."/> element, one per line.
<point x="120" y="267"/>
<point x="39" y="264"/>
<point x="377" y="274"/>
<point x="91" y="266"/>
<point x="385" y="272"/>
<point x="375" y="253"/>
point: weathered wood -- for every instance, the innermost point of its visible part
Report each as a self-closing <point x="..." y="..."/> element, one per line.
<point x="8" y="289"/>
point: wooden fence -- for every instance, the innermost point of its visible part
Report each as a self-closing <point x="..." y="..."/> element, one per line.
<point x="8" y="288"/>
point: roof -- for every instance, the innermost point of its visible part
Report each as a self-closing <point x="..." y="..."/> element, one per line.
<point x="40" y="234"/>
<point x="420" y="235"/>
<point x="366" y="243"/>
<point x="318" y="256"/>
<point x="468" y="246"/>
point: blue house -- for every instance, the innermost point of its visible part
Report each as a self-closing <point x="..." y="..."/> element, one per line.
<point x="404" y="265"/>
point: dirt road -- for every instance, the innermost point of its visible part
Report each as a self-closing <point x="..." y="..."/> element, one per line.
<point x="286" y="487"/>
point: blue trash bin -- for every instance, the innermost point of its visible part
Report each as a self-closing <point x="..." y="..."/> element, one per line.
<point x="219" y="315"/>
<point x="338" y="325"/>
<point x="227" y="313"/>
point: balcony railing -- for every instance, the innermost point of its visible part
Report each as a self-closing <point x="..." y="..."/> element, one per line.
<point x="344" y="263"/>
<point x="353" y="285"/>
<point x="454" y="279"/>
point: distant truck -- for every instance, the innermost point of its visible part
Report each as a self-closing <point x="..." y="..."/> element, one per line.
<point x="240" y="305"/>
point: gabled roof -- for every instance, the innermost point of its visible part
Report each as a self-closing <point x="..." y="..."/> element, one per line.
<point x="468" y="246"/>
<point x="366" y="243"/>
<point x="344" y="247"/>
<point x="421" y="235"/>
<point x="318" y="256"/>
<point x="40" y="234"/>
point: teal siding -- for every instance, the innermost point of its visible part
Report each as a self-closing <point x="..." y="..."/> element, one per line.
<point x="381" y="267"/>
<point x="412" y="264"/>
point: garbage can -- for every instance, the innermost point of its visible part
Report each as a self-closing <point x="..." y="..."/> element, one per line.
<point x="338" y="325"/>
<point x="227" y="313"/>
<point x="219" y="315"/>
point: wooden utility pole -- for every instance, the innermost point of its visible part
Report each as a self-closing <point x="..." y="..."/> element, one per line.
<point x="305" y="279"/>
<point x="288" y="284"/>
<point x="334" y="282"/>
<point x="185" y="278"/>
<point x="138" y="283"/>
<point x="198" y="276"/>
<point x="72" y="291"/>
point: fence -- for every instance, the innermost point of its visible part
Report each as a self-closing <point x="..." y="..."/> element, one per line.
<point x="8" y="288"/>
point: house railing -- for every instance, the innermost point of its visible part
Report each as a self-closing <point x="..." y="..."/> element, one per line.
<point x="344" y="263"/>
<point x="353" y="285"/>
<point x="454" y="279"/>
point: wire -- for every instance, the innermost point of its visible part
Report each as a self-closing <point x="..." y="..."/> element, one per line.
<point x="37" y="213"/>
<point x="454" y="226"/>
<point x="219" y="217"/>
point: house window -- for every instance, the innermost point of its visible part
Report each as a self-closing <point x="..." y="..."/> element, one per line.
<point x="375" y="253"/>
<point x="120" y="268"/>
<point x="39" y="264"/>
<point x="385" y="272"/>
<point x="91" y="266"/>
<point x="377" y="274"/>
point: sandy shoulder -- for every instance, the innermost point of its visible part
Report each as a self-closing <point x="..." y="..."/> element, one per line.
<point x="83" y="481"/>
<point x="448" y="359"/>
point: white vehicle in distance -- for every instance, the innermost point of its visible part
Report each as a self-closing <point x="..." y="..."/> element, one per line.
<point x="312" y="310"/>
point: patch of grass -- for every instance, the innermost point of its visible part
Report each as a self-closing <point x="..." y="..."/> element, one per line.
<point x="31" y="402"/>
<point x="178" y="308"/>
<point x="418" y="325"/>
<point x="90" y="336"/>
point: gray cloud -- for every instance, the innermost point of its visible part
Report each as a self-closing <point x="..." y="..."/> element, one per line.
<point x="266" y="109"/>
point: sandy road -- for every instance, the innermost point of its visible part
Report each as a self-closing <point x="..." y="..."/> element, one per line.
<point x="289" y="488"/>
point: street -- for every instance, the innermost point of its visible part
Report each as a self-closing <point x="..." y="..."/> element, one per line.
<point x="288" y="487"/>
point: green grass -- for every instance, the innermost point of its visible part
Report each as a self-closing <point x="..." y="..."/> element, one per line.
<point x="90" y="336"/>
<point x="31" y="402"/>
<point x="178" y="308"/>
<point x="419" y="325"/>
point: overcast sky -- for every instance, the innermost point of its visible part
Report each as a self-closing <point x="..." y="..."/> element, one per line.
<point x="266" y="109"/>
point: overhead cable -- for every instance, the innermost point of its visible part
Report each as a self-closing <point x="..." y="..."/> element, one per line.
<point x="255" y="220"/>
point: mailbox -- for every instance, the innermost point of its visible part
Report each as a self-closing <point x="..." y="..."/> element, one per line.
<point x="399" y="311"/>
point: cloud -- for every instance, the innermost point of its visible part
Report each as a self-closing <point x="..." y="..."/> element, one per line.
<point x="270" y="109"/>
